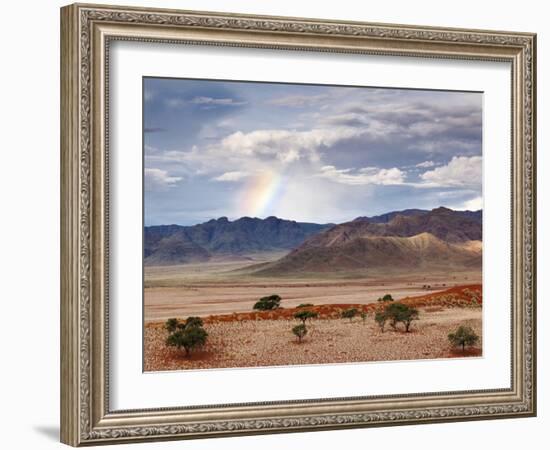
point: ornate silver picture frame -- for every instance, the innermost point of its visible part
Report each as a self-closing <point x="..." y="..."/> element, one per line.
<point x="87" y="33"/>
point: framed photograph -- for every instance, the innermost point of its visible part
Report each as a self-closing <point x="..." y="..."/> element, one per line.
<point x="278" y="224"/>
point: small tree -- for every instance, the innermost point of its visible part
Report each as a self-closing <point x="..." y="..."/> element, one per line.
<point x="399" y="312"/>
<point x="380" y="318"/>
<point x="188" y="338"/>
<point x="194" y="322"/>
<point x="171" y="325"/>
<point x="463" y="336"/>
<point x="304" y="305"/>
<point x="349" y="313"/>
<point x="267" y="303"/>
<point x="386" y="298"/>
<point x="363" y="315"/>
<point x="408" y="317"/>
<point x="299" y="331"/>
<point x="304" y="315"/>
<point x="186" y="335"/>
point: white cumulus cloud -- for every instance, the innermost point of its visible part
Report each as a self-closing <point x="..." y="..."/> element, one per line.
<point x="231" y="176"/>
<point x="285" y="145"/>
<point x="425" y="164"/>
<point x="461" y="171"/>
<point x="364" y="176"/>
<point x="158" y="179"/>
<point x="473" y="204"/>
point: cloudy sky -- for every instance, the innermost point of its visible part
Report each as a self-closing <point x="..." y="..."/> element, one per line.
<point x="303" y="152"/>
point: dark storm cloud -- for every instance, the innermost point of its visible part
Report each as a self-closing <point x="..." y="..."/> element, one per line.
<point x="182" y="109"/>
<point x="413" y="129"/>
<point x="416" y="120"/>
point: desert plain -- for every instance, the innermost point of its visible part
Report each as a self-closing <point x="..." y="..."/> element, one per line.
<point x="223" y="295"/>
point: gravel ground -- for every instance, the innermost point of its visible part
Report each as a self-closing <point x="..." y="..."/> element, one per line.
<point x="253" y="343"/>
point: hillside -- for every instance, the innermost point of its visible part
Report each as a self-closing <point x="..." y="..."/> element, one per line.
<point x="175" y="244"/>
<point x="440" y="239"/>
<point x="443" y="223"/>
<point x="420" y="252"/>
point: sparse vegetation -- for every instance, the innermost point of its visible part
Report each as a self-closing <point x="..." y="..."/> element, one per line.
<point x="463" y="336"/>
<point x="396" y="313"/>
<point x="305" y="315"/>
<point x="299" y="331"/>
<point x="268" y="303"/>
<point x="349" y="314"/>
<point x="187" y="335"/>
<point x="331" y="340"/>
<point x="304" y="305"/>
<point x="380" y="318"/>
<point x="399" y="312"/>
<point x="363" y="315"/>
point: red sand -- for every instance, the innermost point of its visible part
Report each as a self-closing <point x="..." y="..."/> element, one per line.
<point x="459" y="296"/>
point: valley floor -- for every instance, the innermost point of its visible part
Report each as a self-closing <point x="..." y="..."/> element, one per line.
<point x="205" y="289"/>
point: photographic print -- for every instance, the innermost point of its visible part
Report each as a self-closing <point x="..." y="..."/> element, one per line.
<point x="296" y="224"/>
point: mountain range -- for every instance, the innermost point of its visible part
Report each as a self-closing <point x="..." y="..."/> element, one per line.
<point x="175" y="244"/>
<point x="411" y="238"/>
<point x="441" y="239"/>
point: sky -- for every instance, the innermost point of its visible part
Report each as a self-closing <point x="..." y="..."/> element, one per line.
<point x="310" y="153"/>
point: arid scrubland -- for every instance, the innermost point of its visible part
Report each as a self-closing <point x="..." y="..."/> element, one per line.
<point x="264" y="338"/>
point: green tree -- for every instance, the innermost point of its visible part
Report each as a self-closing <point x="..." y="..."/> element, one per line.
<point x="267" y="303"/>
<point x="299" y="331"/>
<point x="187" y="338"/>
<point x="186" y="335"/>
<point x="386" y="298"/>
<point x="463" y="336"/>
<point x="171" y="325"/>
<point x="363" y="315"/>
<point x="304" y="305"/>
<point x="304" y="315"/>
<point x="380" y="318"/>
<point x="349" y="313"/>
<point x="399" y="312"/>
<point x="194" y="322"/>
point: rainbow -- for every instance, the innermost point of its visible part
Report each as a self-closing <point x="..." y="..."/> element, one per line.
<point x="261" y="194"/>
